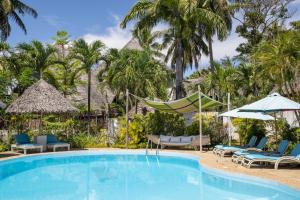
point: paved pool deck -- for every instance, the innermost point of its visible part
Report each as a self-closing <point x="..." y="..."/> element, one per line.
<point x="289" y="176"/>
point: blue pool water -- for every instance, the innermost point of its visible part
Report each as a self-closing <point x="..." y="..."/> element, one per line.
<point x="127" y="176"/>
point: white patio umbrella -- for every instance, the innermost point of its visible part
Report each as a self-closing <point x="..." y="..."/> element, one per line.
<point x="273" y="103"/>
<point x="247" y="115"/>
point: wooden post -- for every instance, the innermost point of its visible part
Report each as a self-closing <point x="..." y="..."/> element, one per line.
<point x="200" y="119"/>
<point x="228" y="121"/>
<point x="127" y="101"/>
<point x="41" y="124"/>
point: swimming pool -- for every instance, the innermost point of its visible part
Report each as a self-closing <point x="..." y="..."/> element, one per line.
<point x="127" y="176"/>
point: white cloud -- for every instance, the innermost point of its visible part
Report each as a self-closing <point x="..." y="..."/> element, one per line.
<point x="225" y="48"/>
<point x="113" y="36"/>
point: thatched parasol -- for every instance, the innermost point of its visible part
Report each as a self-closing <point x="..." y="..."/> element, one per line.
<point x="39" y="98"/>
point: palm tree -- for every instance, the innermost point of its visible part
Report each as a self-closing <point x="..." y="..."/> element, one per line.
<point x="10" y="10"/>
<point x="182" y="38"/>
<point x="38" y="57"/>
<point x="279" y="60"/>
<point x="67" y="69"/>
<point x="89" y="55"/>
<point x="222" y="9"/>
<point x="138" y="72"/>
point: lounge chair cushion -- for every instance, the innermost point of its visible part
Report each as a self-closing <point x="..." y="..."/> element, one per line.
<point x="22" y="139"/>
<point x="282" y="147"/>
<point x="57" y="143"/>
<point x="262" y="143"/>
<point x="296" y="151"/>
<point x="175" y="140"/>
<point x="232" y="148"/>
<point x="186" y="139"/>
<point x="251" y="142"/>
<point x="219" y="146"/>
<point x="28" y="146"/>
<point x="262" y="156"/>
<point x="164" y="138"/>
<point x="51" y="139"/>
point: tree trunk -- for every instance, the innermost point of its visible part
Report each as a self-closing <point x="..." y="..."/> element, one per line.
<point x="211" y="56"/>
<point x="136" y="106"/>
<point x="89" y="101"/>
<point x="179" y="70"/>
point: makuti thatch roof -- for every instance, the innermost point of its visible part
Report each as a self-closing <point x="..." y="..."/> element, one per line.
<point x="41" y="97"/>
<point x="100" y="95"/>
<point x="133" y="44"/>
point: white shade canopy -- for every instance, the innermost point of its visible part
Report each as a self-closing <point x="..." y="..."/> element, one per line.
<point x="247" y="115"/>
<point x="272" y="103"/>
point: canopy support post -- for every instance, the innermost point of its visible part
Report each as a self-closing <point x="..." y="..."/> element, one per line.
<point x="200" y="119"/>
<point x="229" y="121"/>
<point x="127" y="99"/>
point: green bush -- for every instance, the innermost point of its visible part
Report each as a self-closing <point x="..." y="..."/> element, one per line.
<point x="246" y="128"/>
<point x="3" y="146"/>
<point x="210" y="126"/>
<point x="82" y="140"/>
<point x="160" y="123"/>
<point x="136" y="132"/>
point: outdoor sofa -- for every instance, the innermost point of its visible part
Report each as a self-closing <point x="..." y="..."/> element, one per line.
<point x="178" y="141"/>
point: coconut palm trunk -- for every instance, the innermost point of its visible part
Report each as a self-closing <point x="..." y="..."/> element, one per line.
<point x="179" y="70"/>
<point x="211" y="55"/>
<point x="89" y="101"/>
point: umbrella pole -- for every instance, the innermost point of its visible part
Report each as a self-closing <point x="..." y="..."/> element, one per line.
<point x="228" y="122"/>
<point x="246" y="129"/>
<point x="200" y="119"/>
<point x="276" y="129"/>
<point x="127" y="98"/>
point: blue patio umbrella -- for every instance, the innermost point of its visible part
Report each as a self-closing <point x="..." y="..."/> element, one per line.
<point x="273" y="103"/>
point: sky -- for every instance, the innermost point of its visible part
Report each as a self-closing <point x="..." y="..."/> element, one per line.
<point x="100" y="20"/>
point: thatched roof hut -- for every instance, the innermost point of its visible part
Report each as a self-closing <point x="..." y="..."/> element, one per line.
<point x="39" y="98"/>
<point x="142" y="108"/>
<point x="100" y="96"/>
<point x="133" y="44"/>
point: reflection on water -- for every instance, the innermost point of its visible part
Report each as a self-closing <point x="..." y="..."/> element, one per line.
<point x="126" y="177"/>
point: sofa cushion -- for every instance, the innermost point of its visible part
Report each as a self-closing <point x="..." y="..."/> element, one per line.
<point x="186" y="139"/>
<point x="51" y="139"/>
<point x="164" y="138"/>
<point x="22" y="138"/>
<point x="175" y="139"/>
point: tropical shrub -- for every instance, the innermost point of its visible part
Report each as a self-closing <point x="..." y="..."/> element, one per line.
<point x="161" y="123"/>
<point x="3" y="146"/>
<point x="136" y="132"/>
<point x="211" y="126"/>
<point x="246" y="128"/>
<point x="83" y="140"/>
